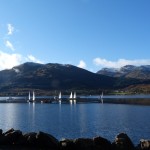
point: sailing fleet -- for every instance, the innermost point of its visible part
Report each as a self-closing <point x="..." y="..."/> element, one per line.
<point x="72" y="98"/>
<point x="33" y="98"/>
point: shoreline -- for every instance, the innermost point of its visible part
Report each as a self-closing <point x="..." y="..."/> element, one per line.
<point x="129" y="101"/>
<point x="17" y="140"/>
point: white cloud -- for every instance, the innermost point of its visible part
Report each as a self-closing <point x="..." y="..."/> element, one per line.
<point x="10" y="29"/>
<point x="8" y="61"/>
<point x="9" y="45"/>
<point x="33" y="59"/>
<point x="82" y="64"/>
<point x="120" y="62"/>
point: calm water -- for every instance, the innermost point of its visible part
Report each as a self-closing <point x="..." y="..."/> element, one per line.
<point x="78" y="120"/>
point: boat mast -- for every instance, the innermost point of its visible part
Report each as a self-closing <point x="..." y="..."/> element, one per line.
<point x="102" y="98"/>
<point x="70" y="96"/>
<point x="29" y="96"/>
<point x="102" y="95"/>
<point x="59" y="95"/>
<point x="74" y="95"/>
<point x="33" y="96"/>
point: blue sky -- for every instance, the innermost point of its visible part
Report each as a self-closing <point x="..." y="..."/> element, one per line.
<point x="91" y="34"/>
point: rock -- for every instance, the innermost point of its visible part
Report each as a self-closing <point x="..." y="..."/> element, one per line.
<point x="22" y="141"/>
<point x="67" y="144"/>
<point x="122" y="142"/>
<point x="12" y="137"/>
<point x="1" y="132"/>
<point x="145" y="144"/>
<point x="47" y="140"/>
<point x="2" y="139"/>
<point x="1" y="136"/>
<point x="30" y="138"/>
<point x="8" y="131"/>
<point x="84" y="143"/>
<point x="101" y="143"/>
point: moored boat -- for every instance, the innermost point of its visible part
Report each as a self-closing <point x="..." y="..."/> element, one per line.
<point x="33" y="98"/>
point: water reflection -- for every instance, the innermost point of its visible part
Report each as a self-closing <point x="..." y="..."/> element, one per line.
<point x="60" y="104"/>
<point x="10" y="116"/>
<point x="82" y="120"/>
<point x="74" y="101"/>
<point x="78" y="120"/>
<point x="31" y="115"/>
<point x="70" y="102"/>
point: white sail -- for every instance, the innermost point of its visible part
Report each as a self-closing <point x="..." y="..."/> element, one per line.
<point x="102" y="95"/>
<point x="74" y="98"/>
<point x="74" y="95"/>
<point x="29" y="96"/>
<point x="102" y="98"/>
<point x="33" y="98"/>
<point x="59" y="95"/>
<point x="59" y="98"/>
<point x="71" y="96"/>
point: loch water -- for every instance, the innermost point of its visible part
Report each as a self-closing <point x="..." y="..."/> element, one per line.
<point x="78" y="120"/>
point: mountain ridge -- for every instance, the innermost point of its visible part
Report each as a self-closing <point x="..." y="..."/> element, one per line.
<point x="128" y="71"/>
<point x="54" y="76"/>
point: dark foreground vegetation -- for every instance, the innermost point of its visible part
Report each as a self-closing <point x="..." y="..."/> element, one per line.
<point x="16" y="140"/>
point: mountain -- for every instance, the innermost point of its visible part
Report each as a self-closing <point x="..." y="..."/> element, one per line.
<point x="128" y="71"/>
<point x="129" y="78"/>
<point x="52" y="77"/>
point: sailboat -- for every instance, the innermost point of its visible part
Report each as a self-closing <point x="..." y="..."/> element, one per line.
<point x="29" y="98"/>
<point x="101" y="97"/>
<point x="33" y="97"/>
<point x="71" y="97"/>
<point x="59" y="97"/>
<point x="74" y="97"/>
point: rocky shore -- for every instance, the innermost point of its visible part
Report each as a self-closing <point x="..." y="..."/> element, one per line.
<point x="16" y="140"/>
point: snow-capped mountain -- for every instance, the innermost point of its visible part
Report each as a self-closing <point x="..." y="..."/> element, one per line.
<point x="128" y="71"/>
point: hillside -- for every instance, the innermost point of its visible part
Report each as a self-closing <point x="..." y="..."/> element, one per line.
<point x="128" y="71"/>
<point x="52" y="77"/>
<point x="55" y="77"/>
<point x="135" y="79"/>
